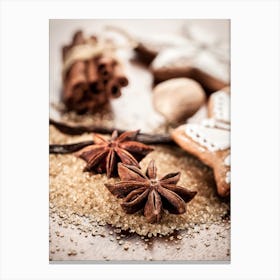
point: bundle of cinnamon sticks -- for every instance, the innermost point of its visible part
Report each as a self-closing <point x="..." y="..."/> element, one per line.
<point x="91" y="79"/>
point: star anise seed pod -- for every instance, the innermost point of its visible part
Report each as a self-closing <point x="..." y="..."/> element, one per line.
<point x="145" y="191"/>
<point x="104" y="155"/>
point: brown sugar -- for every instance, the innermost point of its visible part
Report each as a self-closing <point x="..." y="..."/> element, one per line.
<point x="74" y="193"/>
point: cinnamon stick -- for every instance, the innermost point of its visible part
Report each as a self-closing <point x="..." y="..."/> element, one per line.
<point x="95" y="84"/>
<point x="119" y="75"/>
<point x="113" y="89"/>
<point x="75" y="83"/>
<point x="78" y="38"/>
<point x="92" y="82"/>
<point x="105" y="66"/>
<point x="65" y="51"/>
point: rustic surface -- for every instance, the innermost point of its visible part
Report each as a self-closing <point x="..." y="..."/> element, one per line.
<point x="132" y="111"/>
<point x="211" y="244"/>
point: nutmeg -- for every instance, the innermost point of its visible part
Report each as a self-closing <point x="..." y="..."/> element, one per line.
<point x="178" y="99"/>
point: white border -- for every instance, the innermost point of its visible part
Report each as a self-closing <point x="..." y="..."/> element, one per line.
<point x="255" y="137"/>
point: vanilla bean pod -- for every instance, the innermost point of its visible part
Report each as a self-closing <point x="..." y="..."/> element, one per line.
<point x="78" y="130"/>
<point x="154" y="139"/>
<point x="68" y="148"/>
<point x="71" y="148"/>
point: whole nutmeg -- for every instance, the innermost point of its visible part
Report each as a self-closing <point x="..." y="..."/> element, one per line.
<point x="178" y="99"/>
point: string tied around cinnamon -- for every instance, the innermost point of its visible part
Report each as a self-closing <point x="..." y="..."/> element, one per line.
<point x="92" y="49"/>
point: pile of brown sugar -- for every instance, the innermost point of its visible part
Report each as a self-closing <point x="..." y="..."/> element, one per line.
<point x="74" y="192"/>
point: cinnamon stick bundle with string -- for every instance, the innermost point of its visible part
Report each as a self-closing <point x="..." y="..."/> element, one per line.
<point x="92" y="74"/>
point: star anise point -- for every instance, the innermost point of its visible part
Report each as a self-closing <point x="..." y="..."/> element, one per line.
<point x="145" y="191"/>
<point x="103" y="156"/>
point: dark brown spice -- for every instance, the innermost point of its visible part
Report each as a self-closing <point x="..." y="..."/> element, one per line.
<point x="80" y="129"/>
<point x="68" y="148"/>
<point x="145" y="191"/>
<point x="104" y="154"/>
<point x="84" y="79"/>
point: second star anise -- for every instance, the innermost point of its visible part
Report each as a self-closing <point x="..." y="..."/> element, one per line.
<point x="145" y="191"/>
<point x="104" y="155"/>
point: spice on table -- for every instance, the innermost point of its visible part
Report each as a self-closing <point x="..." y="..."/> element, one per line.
<point x="141" y="190"/>
<point x="104" y="155"/>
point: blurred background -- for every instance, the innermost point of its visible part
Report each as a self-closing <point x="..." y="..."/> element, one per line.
<point x="136" y="101"/>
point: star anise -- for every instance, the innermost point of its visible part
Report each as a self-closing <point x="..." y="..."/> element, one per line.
<point x="145" y="191"/>
<point x="104" y="155"/>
